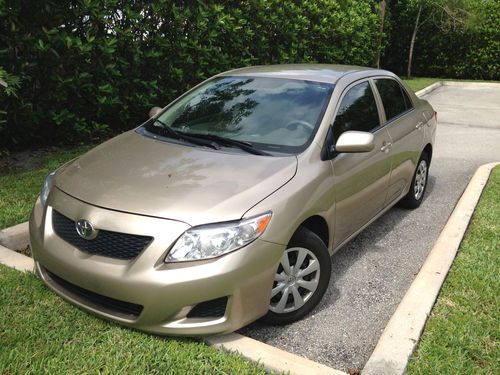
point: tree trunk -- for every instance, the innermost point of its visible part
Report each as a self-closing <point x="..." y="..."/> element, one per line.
<point x="413" y="37"/>
<point x="381" y="30"/>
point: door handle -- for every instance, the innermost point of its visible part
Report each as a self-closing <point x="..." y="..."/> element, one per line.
<point x="386" y="147"/>
<point x="419" y="125"/>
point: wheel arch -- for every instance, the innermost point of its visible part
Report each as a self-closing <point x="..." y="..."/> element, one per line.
<point x="318" y="225"/>
<point x="428" y="150"/>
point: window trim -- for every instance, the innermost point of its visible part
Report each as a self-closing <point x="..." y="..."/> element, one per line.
<point x="326" y="153"/>
<point x="382" y="108"/>
<point x="343" y="94"/>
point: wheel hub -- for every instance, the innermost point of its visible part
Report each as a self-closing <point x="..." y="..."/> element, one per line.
<point x="296" y="280"/>
<point x="420" y="179"/>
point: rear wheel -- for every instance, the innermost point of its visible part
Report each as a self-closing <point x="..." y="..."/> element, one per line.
<point x="301" y="279"/>
<point x="415" y="196"/>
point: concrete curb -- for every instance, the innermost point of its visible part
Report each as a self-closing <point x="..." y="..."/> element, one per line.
<point x="15" y="260"/>
<point x="403" y="331"/>
<point x="16" y="237"/>
<point x="272" y="358"/>
<point x="429" y="89"/>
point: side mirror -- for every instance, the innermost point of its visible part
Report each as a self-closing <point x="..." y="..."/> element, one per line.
<point x="355" y="141"/>
<point x="154" y="111"/>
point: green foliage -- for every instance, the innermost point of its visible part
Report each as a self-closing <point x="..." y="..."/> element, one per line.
<point x="446" y="47"/>
<point x="9" y="82"/>
<point x="92" y="68"/>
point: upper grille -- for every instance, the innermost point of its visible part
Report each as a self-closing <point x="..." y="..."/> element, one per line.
<point x="107" y="243"/>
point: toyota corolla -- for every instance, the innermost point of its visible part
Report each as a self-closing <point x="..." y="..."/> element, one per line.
<point x="225" y="206"/>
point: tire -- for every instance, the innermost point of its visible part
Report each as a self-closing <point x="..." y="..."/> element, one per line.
<point x="308" y="246"/>
<point x="415" y="195"/>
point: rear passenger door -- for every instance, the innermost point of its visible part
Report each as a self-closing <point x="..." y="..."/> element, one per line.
<point x="405" y="126"/>
<point x="361" y="179"/>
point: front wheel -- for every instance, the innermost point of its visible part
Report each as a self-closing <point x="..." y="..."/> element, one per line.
<point x="301" y="279"/>
<point x="415" y="196"/>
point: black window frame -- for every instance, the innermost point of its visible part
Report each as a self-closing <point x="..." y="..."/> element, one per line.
<point x="404" y="93"/>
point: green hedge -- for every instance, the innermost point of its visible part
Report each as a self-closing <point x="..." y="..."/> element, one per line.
<point x="472" y="53"/>
<point x="92" y="68"/>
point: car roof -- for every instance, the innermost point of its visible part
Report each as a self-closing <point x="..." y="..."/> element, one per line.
<point x="328" y="73"/>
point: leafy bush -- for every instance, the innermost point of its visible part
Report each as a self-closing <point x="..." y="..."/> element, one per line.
<point x="91" y="68"/>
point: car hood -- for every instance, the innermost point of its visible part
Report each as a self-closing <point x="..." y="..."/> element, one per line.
<point x="136" y="174"/>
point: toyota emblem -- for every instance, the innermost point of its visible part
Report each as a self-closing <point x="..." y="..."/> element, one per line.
<point x="85" y="229"/>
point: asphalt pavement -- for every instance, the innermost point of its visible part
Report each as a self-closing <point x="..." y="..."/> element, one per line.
<point x="371" y="274"/>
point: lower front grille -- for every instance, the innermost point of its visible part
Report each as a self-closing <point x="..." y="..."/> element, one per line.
<point x="113" y="306"/>
<point x="108" y="244"/>
<point x="215" y="308"/>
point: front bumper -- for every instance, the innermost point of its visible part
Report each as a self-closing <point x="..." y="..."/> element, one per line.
<point x="166" y="292"/>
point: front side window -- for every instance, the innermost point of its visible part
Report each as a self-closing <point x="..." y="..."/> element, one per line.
<point x="357" y="111"/>
<point x="272" y="114"/>
<point x="394" y="98"/>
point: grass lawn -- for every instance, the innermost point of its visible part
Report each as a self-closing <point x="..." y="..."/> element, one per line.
<point x="418" y="83"/>
<point x="42" y="334"/>
<point x="462" y="335"/>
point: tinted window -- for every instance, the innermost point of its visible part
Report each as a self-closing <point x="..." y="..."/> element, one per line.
<point x="274" y="114"/>
<point x="393" y="97"/>
<point x="357" y="111"/>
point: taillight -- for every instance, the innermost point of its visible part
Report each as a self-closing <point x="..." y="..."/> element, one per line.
<point x="436" y="115"/>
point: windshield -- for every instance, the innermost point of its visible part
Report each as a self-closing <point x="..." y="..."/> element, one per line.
<point x="273" y="114"/>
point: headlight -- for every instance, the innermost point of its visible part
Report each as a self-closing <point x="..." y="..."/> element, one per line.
<point x="47" y="185"/>
<point x="213" y="240"/>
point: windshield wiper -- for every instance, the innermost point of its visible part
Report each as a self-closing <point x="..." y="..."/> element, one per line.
<point x="245" y="146"/>
<point x="167" y="131"/>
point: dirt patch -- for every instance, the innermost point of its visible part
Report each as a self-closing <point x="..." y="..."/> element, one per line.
<point x="24" y="160"/>
<point x="26" y="251"/>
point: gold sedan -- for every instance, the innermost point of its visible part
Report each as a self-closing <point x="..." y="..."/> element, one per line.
<point x="225" y="206"/>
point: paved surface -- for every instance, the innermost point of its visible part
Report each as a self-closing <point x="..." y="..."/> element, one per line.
<point x="372" y="273"/>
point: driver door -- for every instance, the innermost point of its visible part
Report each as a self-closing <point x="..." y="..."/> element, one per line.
<point x="361" y="179"/>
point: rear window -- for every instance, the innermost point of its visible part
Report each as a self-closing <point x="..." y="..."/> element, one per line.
<point x="394" y="98"/>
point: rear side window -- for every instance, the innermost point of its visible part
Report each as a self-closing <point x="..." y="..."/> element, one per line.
<point x="394" y="98"/>
<point x="357" y="111"/>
